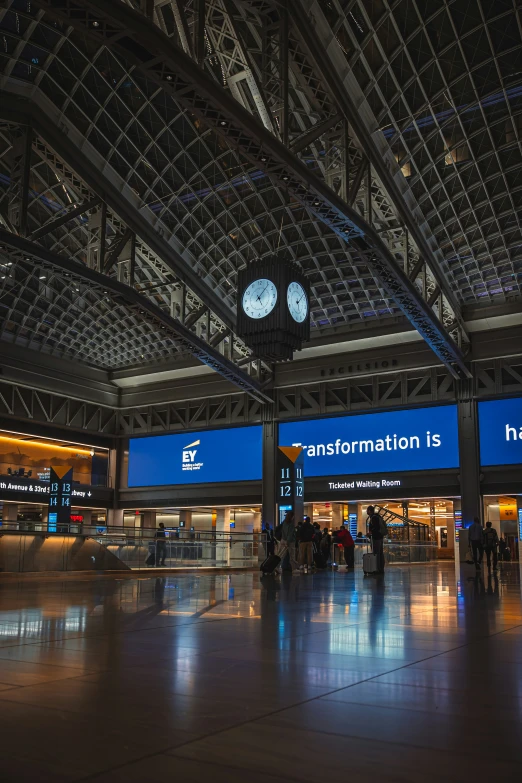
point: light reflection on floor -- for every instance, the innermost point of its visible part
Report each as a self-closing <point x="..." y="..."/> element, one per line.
<point x="194" y="675"/>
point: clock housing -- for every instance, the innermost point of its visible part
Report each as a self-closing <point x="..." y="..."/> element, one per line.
<point x="277" y="334"/>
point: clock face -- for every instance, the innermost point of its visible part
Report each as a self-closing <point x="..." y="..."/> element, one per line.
<point x="297" y="302"/>
<point x="259" y="298"/>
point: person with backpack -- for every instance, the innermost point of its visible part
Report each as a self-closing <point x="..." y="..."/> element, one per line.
<point x="490" y="545"/>
<point x="270" y="539"/>
<point x="306" y="552"/>
<point x="285" y="535"/>
<point x="378" y="530"/>
<point x="476" y="541"/>
<point x="325" y="546"/>
<point x="161" y="544"/>
<point x="344" y="538"/>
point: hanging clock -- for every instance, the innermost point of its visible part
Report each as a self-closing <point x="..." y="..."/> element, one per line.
<point x="297" y="301"/>
<point x="260" y="298"/>
<point x="273" y="315"/>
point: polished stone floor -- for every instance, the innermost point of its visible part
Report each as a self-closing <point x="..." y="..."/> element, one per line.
<point x="416" y="676"/>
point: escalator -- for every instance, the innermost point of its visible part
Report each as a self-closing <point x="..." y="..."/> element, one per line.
<point x="403" y="527"/>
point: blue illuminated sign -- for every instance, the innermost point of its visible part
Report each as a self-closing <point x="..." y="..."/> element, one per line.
<point x="500" y="430"/>
<point x="51" y="522"/>
<point x="395" y="441"/>
<point x="205" y="457"/>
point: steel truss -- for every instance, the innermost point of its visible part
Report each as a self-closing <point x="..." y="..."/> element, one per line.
<point x="144" y="268"/>
<point x="499" y="377"/>
<point x="130" y="35"/>
<point x="28" y="260"/>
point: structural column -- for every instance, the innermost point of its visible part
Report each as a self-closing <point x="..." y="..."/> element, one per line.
<point x="87" y="516"/>
<point x="221" y="526"/>
<point x="337" y="515"/>
<point x="114" y="517"/>
<point x="10" y="512"/>
<point x="270" y="437"/>
<point x="450" y="526"/>
<point x="149" y="520"/>
<point x="469" y="461"/>
<point x="115" y="514"/>
<point x="519" y="530"/>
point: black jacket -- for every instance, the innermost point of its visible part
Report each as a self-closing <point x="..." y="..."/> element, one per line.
<point x="306" y="532"/>
<point x="375" y="527"/>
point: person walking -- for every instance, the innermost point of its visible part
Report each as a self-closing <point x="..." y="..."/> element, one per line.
<point x="325" y="546"/>
<point x="287" y="542"/>
<point x="502" y="546"/>
<point x="306" y="552"/>
<point x="476" y="540"/>
<point x="490" y="545"/>
<point x="377" y="530"/>
<point x="270" y="540"/>
<point x="344" y="538"/>
<point x="161" y="545"/>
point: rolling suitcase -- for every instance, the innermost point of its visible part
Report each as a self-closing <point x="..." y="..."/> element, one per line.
<point x="151" y="559"/>
<point x="369" y="563"/>
<point x="269" y="565"/>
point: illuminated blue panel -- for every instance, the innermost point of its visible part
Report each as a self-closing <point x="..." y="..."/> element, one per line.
<point x="395" y="441"/>
<point x="206" y="457"/>
<point x="500" y="429"/>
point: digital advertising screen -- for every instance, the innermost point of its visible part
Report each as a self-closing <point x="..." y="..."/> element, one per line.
<point x="390" y="442"/>
<point x="205" y="457"/>
<point x="500" y="431"/>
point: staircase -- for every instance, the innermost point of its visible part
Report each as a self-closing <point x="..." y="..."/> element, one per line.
<point x="396" y="520"/>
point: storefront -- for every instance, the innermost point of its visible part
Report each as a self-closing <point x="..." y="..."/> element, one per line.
<point x="406" y="461"/>
<point x="25" y="465"/>
<point x="500" y="435"/>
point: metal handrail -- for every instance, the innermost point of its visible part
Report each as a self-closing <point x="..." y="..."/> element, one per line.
<point x="125" y="533"/>
<point x="388" y="515"/>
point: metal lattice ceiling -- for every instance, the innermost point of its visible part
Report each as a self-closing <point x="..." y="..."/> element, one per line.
<point x="444" y="82"/>
<point x="440" y="79"/>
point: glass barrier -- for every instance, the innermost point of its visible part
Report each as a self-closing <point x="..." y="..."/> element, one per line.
<point x="99" y="548"/>
<point x="128" y="548"/>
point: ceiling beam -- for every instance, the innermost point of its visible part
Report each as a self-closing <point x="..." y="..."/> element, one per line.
<point x="142" y="307"/>
<point x="305" y="139"/>
<point x="307" y="27"/>
<point x="151" y="52"/>
<point x="63" y="219"/>
<point x="50" y="129"/>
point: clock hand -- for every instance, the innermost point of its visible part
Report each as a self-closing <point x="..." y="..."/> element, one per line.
<point x="262" y="292"/>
